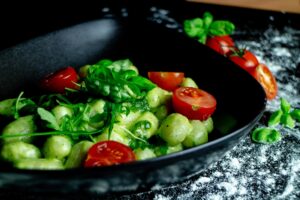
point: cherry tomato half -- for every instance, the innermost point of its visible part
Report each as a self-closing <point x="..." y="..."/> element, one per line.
<point x="245" y="59"/>
<point x="265" y="77"/>
<point x="57" y="82"/>
<point x="193" y="103"/>
<point x="108" y="153"/>
<point x="221" y="44"/>
<point x="166" y="80"/>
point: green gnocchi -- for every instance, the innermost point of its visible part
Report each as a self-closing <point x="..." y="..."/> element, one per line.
<point x="113" y="103"/>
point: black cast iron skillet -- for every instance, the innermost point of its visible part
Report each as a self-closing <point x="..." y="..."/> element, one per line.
<point x="150" y="47"/>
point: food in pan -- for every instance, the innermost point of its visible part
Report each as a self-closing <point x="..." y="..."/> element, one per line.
<point x="104" y="114"/>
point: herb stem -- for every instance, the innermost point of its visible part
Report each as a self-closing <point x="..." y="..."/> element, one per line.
<point x="89" y="133"/>
<point x="131" y="134"/>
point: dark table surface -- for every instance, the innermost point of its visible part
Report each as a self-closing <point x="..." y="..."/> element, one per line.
<point x="249" y="170"/>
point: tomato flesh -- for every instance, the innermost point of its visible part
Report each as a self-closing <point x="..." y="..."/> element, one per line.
<point x="166" y="80"/>
<point x="193" y="103"/>
<point x="245" y="59"/>
<point x="58" y="81"/>
<point x="265" y="77"/>
<point x="221" y="44"/>
<point x="108" y="153"/>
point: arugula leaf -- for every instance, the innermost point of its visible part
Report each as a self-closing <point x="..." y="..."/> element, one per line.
<point x="118" y="86"/>
<point x="49" y="117"/>
<point x="140" y="128"/>
<point x="71" y="134"/>
<point x="138" y="144"/>
<point x="114" y="110"/>
<point x="161" y="150"/>
<point x="138" y="105"/>
<point x="17" y="106"/>
<point x="7" y="107"/>
<point x="49" y="101"/>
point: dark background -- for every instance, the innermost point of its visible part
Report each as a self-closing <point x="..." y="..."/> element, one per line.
<point x="21" y="21"/>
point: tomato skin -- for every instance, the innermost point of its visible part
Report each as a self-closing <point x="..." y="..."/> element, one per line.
<point x="265" y="77"/>
<point x="57" y="82"/>
<point x="245" y="59"/>
<point x="193" y="103"/>
<point x="166" y="80"/>
<point x="221" y="44"/>
<point x="108" y="153"/>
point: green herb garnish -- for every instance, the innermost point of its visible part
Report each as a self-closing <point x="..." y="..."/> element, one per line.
<point x="201" y="28"/>
<point x="296" y="114"/>
<point x="285" y="116"/>
<point x="117" y="82"/>
<point x="266" y="135"/>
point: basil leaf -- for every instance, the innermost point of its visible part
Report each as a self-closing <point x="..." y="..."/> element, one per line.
<point x="122" y="65"/>
<point x="287" y="120"/>
<point x="104" y="63"/>
<point x="202" y="39"/>
<point x="193" y="27"/>
<point x="296" y="114"/>
<point x="265" y="135"/>
<point x="202" y="28"/>
<point x="285" y="105"/>
<point x="143" y="83"/>
<point x="207" y="19"/>
<point x="49" y="117"/>
<point x="275" y="118"/>
<point x="220" y="28"/>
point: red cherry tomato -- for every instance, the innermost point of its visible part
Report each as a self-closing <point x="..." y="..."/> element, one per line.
<point x="194" y="103"/>
<point x="245" y="59"/>
<point x="108" y="153"/>
<point x="166" y="80"/>
<point x="265" y="77"/>
<point x="57" y="82"/>
<point x="221" y="44"/>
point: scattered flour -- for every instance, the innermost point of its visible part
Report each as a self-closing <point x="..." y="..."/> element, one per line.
<point x="235" y="163"/>
<point x="230" y="188"/>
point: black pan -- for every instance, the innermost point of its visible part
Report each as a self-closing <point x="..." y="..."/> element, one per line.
<point x="149" y="46"/>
